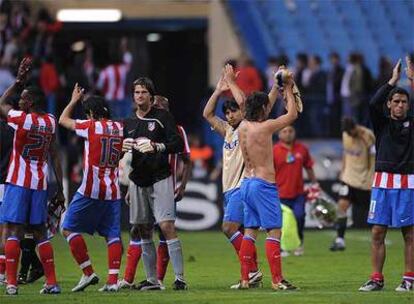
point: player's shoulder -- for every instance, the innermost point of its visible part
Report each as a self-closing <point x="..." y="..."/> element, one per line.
<point x="366" y="130"/>
<point x="345" y="137"/>
<point x="130" y="122"/>
<point x="277" y="146"/>
<point x="16" y="113"/>
<point x="367" y="134"/>
<point x="160" y="113"/>
<point x="301" y="146"/>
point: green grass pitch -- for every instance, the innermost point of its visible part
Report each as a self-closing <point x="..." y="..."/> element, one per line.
<point x="211" y="267"/>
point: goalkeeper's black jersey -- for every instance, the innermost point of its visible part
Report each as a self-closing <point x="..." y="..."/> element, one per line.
<point x="394" y="138"/>
<point x="159" y="126"/>
<point x="6" y="145"/>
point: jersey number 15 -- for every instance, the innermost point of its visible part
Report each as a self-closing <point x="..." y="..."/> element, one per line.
<point x="109" y="152"/>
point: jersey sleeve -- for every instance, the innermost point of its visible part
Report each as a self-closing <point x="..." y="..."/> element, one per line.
<point x="183" y="134"/>
<point x="15" y="119"/>
<point x="174" y="143"/>
<point x="82" y="127"/>
<point x="370" y="140"/>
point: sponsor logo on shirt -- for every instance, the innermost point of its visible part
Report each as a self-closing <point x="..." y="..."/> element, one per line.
<point x="231" y="145"/>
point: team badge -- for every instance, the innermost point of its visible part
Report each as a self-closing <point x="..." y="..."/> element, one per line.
<point x="151" y="126"/>
<point x="406" y="124"/>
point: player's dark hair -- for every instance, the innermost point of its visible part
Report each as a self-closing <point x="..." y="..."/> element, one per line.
<point x="146" y="83"/>
<point x="398" y="90"/>
<point x="37" y="97"/>
<point x="97" y="106"/>
<point x="255" y="104"/>
<point x="348" y="124"/>
<point x="231" y="105"/>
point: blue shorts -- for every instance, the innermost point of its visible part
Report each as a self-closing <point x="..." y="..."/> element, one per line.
<point x="261" y="204"/>
<point x="23" y="205"/>
<point x="391" y="207"/>
<point x="233" y="206"/>
<point x="297" y="205"/>
<point x="87" y="215"/>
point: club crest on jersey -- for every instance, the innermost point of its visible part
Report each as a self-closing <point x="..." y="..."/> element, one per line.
<point x="151" y="126"/>
<point x="406" y="124"/>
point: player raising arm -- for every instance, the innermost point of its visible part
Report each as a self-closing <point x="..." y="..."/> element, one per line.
<point x="393" y="186"/>
<point x="258" y="189"/>
<point x="96" y="206"/>
<point x="25" y="198"/>
<point x="233" y="165"/>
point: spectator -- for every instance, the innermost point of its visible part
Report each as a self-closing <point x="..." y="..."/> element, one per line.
<point x="385" y="71"/>
<point x="6" y="78"/>
<point x="112" y="84"/>
<point x="351" y="86"/>
<point x="127" y="57"/>
<point x="201" y="157"/>
<point x="249" y="79"/>
<point x="49" y="82"/>
<point x="10" y="50"/>
<point x="355" y="87"/>
<point x="367" y="87"/>
<point x="5" y="32"/>
<point x="88" y="66"/>
<point x="42" y="34"/>
<point x="300" y="66"/>
<point x="333" y="94"/>
<point x="314" y="82"/>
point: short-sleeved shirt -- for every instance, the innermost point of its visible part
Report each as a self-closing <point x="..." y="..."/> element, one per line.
<point x="102" y="151"/>
<point x="173" y="158"/>
<point x="159" y="126"/>
<point x="233" y="163"/>
<point x="358" y="171"/>
<point x="33" y="135"/>
<point x="289" y="164"/>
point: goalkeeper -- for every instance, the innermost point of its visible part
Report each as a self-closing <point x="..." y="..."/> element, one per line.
<point x="289" y="159"/>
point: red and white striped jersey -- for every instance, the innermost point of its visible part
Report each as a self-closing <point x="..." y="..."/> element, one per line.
<point x="102" y="151"/>
<point x="393" y="180"/>
<point x="173" y="158"/>
<point x="112" y="81"/>
<point x="33" y="135"/>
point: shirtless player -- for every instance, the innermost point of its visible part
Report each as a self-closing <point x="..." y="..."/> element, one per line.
<point x="258" y="189"/>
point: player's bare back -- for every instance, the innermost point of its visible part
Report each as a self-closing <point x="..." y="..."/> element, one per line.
<point x="256" y="144"/>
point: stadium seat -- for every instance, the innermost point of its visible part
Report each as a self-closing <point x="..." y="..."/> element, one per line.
<point x="373" y="28"/>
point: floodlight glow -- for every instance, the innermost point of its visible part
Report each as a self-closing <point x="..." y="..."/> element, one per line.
<point x="153" y="37"/>
<point x="89" y="15"/>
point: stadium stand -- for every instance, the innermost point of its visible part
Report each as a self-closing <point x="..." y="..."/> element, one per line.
<point x="292" y="26"/>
